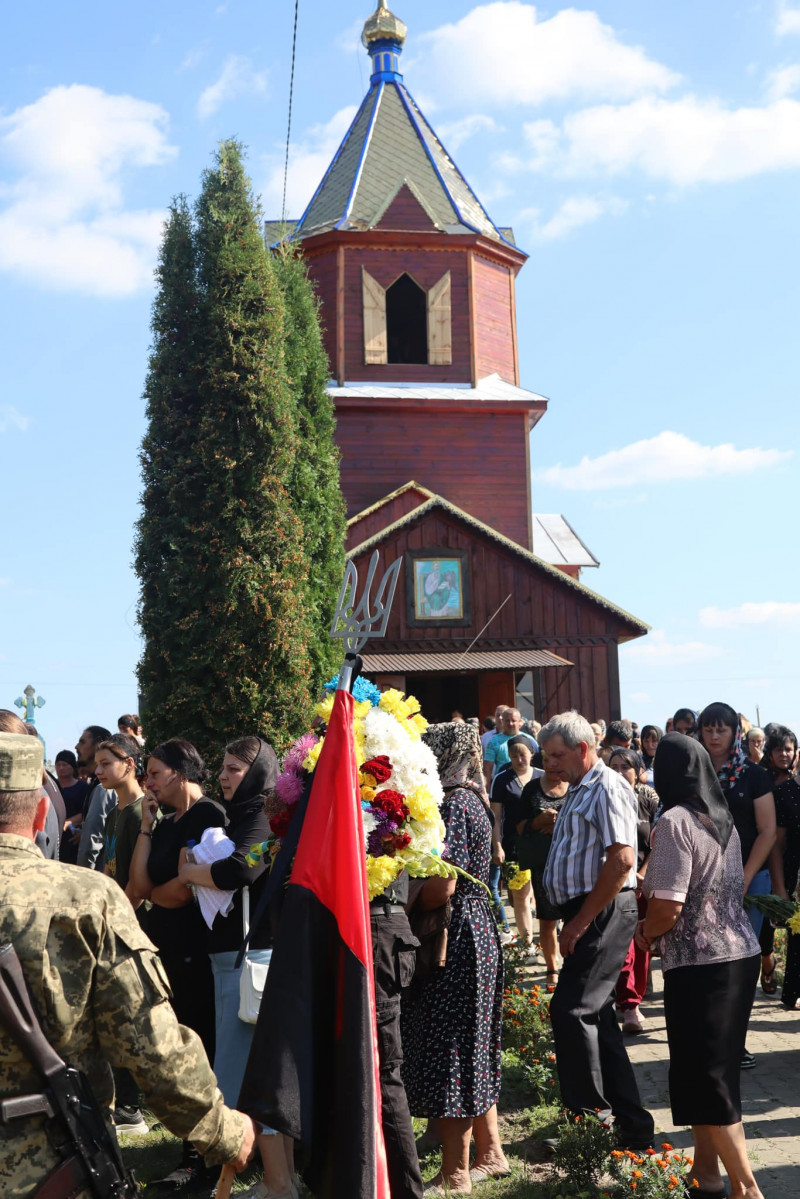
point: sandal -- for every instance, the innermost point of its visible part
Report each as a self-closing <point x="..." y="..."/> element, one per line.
<point x="769" y="983"/>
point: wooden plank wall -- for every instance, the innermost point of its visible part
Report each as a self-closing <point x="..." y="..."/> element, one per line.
<point x="542" y="611"/>
<point x="426" y="265"/>
<point x="477" y="461"/>
<point x="494" y="320"/>
<point x="322" y="271"/>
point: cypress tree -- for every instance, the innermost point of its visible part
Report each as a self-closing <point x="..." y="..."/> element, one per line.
<point x="316" y="492"/>
<point x="220" y="549"/>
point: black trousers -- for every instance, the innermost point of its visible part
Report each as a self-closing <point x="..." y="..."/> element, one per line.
<point x="394" y="956"/>
<point x="594" y="1072"/>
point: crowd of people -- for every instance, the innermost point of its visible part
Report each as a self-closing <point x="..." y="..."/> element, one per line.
<point x="620" y="842"/>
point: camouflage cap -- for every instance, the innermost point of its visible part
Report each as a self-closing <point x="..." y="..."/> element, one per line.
<point x="21" y="762"/>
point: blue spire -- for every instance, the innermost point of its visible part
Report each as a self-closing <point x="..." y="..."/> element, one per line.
<point x="383" y="36"/>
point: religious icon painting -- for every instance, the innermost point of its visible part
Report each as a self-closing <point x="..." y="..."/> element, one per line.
<point x="437" y="587"/>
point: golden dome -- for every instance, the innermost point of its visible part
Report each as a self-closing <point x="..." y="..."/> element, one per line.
<point x="383" y="24"/>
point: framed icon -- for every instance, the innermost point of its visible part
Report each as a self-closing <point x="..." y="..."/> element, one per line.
<point x="438" y="587"/>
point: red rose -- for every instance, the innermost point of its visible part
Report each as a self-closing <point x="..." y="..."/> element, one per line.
<point x="380" y="768"/>
<point x="393" y="804"/>
<point x="279" y="823"/>
<point x="401" y="840"/>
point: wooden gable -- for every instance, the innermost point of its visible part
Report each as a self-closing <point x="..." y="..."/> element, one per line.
<point x="522" y="602"/>
<point x="406" y="213"/>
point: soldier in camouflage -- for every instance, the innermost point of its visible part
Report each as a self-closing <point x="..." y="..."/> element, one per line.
<point x="99" y="989"/>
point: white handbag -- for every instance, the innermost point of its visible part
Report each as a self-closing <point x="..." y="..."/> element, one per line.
<point x="254" y="974"/>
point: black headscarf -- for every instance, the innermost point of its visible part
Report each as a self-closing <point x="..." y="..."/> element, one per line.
<point x="259" y="780"/>
<point x="649" y="728"/>
<point x="683" y="773"/>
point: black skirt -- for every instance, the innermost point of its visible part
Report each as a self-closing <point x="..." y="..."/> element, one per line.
<point x="707" y="1010"/>
<point x="545" y="909"/>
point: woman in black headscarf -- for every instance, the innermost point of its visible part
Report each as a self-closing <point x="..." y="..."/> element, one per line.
<point x="710" y="958"/>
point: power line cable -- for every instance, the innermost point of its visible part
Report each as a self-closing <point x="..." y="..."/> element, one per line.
<point x="289" y="123"/>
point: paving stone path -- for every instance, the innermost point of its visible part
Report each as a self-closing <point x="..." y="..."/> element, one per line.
<point x="770" y="1091"/>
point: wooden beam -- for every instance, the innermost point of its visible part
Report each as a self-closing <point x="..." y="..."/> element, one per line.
<point x="473" y="331"/>
<point x="512" y="297"/>
<point x="340" y="365"/>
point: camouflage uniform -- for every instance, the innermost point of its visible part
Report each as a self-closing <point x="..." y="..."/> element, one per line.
<point x="103" y="999"/>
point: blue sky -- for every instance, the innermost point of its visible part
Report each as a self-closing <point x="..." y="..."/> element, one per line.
<point x="648" y="157"/>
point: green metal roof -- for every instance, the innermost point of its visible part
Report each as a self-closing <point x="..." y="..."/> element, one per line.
<point x="388" y="144"/>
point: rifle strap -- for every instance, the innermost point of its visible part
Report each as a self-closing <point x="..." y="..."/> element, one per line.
<point x="65" y="1182"/>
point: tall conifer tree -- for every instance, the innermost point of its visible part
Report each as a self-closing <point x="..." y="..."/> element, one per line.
<point x="316" y="491"/>
<point x="220" y="549"/>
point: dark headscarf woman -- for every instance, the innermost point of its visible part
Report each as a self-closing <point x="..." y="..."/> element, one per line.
<point x="710" y="958"/>
<point x="451" y="1020"/>
<point x="249" y="772"/>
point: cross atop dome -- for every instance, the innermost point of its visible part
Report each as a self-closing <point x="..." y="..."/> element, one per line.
<point x="383" y="36"/>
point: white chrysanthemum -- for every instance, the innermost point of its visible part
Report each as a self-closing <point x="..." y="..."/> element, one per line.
<point x="370" y="823"/>
<point x="413" y="762"/>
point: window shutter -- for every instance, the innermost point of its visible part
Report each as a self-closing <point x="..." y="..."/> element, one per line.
<point x="440" y="342"/>
<point x="375" y="340"/>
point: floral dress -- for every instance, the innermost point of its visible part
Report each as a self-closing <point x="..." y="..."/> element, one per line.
<point x="451" y="1022"/>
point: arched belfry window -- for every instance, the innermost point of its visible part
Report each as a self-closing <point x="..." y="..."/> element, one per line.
<point x="404" y="324"/>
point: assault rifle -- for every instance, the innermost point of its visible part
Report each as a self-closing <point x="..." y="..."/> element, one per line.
<point x="91" y="1156"/>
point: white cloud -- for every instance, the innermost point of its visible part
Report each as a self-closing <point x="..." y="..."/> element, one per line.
<point x="308" y="162"/>
<point x="571" y="214"/>
<point x="12" y="418"/>
<point x="502" y="53"/>
<point x="787" y="19"/>
<point x="237" y="78"/>
<point x="784" y="614"/>
<point x="661" y="459"/>
<point x="656" y="649"/>
<point x="455" y="133"/>
<point x="782" y="82"/>
<point x="681" y="141"/>
<point x="63" y="220"/>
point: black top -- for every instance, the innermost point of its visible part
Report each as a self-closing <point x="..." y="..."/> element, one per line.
<point x="179" y="930"/>
<point x="533" y="802"/>
<point x="248" y="825"/>
<point x="74" y="796"/>
<point x="247" y="828"/>
<point x="752" y="783"/>
<point x="508" y="791"/>
<point x="787" y="813"/>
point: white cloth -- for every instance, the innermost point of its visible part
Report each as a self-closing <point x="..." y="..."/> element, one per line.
<point x="213" y="847"/>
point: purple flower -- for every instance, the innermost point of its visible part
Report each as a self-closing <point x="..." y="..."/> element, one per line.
<point x="289" y="787"/>
<point x="293" y="762"/>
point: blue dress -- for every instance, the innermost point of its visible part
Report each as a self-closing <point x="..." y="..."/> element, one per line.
<point x="451" y="1023"/>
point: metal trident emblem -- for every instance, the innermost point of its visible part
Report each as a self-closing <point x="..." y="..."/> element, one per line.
<point x="355" y="622"/>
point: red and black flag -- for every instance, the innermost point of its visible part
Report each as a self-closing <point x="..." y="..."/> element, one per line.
<point x="313" y="1067"/>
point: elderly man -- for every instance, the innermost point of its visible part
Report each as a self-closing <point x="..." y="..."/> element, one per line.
<point x="100" y="990"/>
<point x="591" y="877"/>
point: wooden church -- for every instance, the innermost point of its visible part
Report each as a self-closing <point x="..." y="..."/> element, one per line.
<point x="417" y="289"/>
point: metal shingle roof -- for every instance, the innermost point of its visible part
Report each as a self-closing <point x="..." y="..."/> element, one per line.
<point x="390" y="142"/>
<point x="512" y="659"/>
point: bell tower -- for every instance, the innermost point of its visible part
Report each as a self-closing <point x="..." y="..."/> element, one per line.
<point x="417" y="285"/>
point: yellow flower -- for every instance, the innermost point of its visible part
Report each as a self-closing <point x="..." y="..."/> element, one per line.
<point x="518" y="881"/>
<point x="413" y="704"/>
<point x="794" y="921"/>
<point x="368" y="793"/>
<point x="381" y="872"/>
<point x="310" y="760"/>
<point x="324" y="708"/>
<point x="422" y="805"/>
<point x="416" y="726"/>
<point x="361" y="709"/>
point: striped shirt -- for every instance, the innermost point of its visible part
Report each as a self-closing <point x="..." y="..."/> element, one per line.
<point x="599" y="811"/>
